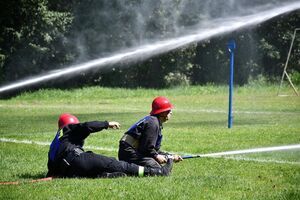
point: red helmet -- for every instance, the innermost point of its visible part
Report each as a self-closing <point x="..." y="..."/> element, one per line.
<point x="65" y="119"/>
<point x="159" y="105"/>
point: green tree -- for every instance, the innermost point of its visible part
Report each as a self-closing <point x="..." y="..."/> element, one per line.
<point x="32" y="38"/>
<point x="275" y="39"/>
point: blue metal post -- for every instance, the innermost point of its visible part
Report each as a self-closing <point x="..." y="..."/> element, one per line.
<point x="231" y="47"/>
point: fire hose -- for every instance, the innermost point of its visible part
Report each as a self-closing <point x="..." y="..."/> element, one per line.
<point x="30" y="181"/>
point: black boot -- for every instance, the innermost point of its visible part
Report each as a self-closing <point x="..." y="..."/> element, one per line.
<point x="163" y="171"/>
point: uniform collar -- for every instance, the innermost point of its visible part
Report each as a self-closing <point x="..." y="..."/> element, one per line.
<point x="160" y="124"/>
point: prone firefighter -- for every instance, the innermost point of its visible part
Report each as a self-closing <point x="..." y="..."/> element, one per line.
<point x="141" y="143"/>
<point x="67" y="158"/>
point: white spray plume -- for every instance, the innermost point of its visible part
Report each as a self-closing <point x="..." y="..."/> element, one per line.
<point x="215" y="28"/>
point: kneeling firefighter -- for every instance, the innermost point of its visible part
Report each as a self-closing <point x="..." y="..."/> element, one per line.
<point x="67" y="158"/>
<point x="141" y="143"/>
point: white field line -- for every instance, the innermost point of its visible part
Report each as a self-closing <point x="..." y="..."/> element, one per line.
<point x="237" y="112"/>
<point x="134" y="109"/>
<point x="100" y="106"/>
<point x="48" y="143"/>
<point x="261" y="160"/>
<point x="214" y="155"/>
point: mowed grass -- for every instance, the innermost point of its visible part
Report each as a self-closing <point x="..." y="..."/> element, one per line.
<point x="198" y="126"/>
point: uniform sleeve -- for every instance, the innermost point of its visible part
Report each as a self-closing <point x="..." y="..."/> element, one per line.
<point x="83" y="130"/>
<point x="94" y="126"/>
<point x="148" y="139"/>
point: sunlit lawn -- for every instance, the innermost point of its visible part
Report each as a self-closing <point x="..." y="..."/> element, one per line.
<point x="198" y="126"/>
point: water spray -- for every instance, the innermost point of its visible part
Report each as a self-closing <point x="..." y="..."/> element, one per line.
<point x="146" y="51"/>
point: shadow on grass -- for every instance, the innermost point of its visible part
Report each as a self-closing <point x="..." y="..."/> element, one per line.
<point x="220" y="123"/>
<point x="33" y="176"/>
<point x="253" y="122"/>
<point x="215" y="123"/>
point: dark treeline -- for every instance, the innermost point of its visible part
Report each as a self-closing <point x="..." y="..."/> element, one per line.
<point x="38" y="36"/>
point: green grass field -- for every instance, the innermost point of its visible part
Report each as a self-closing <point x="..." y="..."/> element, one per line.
<point x="28" y="123"/>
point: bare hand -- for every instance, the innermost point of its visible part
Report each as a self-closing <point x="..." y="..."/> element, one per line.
<point x="177" y="158"/>
<point x="161" y="159"/>
<point x="114" y="125"/>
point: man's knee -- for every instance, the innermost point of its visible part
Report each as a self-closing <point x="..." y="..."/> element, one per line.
<point x="149" y="162"/>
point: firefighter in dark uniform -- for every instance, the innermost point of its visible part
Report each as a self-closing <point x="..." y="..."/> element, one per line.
<point x="141" y="143"/>
<point x="67" y="158"/>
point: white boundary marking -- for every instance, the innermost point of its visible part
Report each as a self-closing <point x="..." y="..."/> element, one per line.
<point x="48" y="143"/>
<point x="141" y="110"/>
<point x="262" y="160"/>
<point x="237" y="112"/>
<point x="213" y="155"/>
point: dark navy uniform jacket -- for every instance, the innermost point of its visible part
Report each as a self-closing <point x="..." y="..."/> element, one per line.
<point x="148" y="132"/>
<point x="68" y="138"/>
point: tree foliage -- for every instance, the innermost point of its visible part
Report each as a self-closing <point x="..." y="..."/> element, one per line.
<point x="40" y="35"/>
<point x="32" y="37"/>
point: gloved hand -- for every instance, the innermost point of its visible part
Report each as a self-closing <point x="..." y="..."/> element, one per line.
<point x="114" y="125"/>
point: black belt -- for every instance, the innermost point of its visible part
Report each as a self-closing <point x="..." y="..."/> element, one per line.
<point x="130" y="140"/>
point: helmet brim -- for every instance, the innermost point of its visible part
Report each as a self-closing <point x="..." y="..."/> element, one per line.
<point x="161" y="110"/>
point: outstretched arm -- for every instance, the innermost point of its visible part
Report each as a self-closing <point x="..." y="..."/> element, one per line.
<point x="83" y="130"/>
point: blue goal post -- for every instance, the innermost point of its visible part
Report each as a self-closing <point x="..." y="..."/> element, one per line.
<point x="231" y="47"/>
